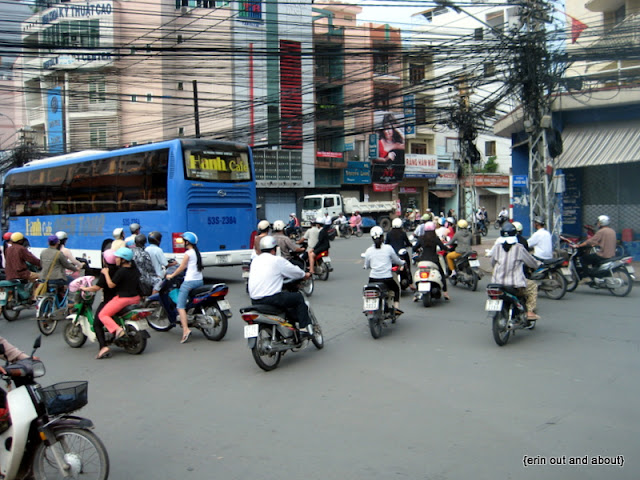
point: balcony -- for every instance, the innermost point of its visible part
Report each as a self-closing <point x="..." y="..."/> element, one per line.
<point x="624" y="34"/>
<point x="36" y="115"/>
<point x="108" y="106"/>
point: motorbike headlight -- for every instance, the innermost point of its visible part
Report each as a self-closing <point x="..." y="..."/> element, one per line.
<point x="38" y="369"/>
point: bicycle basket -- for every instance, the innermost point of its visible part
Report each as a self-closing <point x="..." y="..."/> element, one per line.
<point x="65" y="397"/>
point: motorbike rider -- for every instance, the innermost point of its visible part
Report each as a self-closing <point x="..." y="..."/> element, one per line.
<point x="605" y="238"/>
<point x="380" y="258"/>
<point x="158" y="259"/>
<point x="16" y="258"/>
<point x="266" y="278"/>
<point x="541" y="240"/>
<point x="419" y="231"/>
<point x="429" y="242"/>
<point x="118" y="242"/>
<point x="397" y="237"/>
<point x="340" y="223"/>
<point x="293" y="225"/>
<point x="54" y="264"/>
<point x="11" y="354"/>
<point x="503" y="216"/>
<point x="519" y="235"/>
<point x="356" y="221"/>
<point x="322" y="245"/>
<point x="262" y="231"/>
<point x="287" y="246"/>
<point x="462" y="240"/>
<point x="193" y="278"/>
<point x="145" y="266"/>
<point x="135" y="230"/>
<point x="63" y="237"/>
<point x="507" y="258"/>
<point x="441" y="231"/>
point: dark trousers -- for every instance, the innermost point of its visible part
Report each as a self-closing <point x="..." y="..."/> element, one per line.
<point x="292" y="302"/>
<point x="391" y="285"/>
<point x="98" y="327"/>
<point x="592" y="260"/>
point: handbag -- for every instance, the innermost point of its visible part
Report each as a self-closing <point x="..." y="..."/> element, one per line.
<point x="41" y="289"/>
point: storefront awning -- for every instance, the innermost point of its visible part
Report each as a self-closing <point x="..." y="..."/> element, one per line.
<point x="497" y="190"/>
<point x="594" y="144"/>
<point x="443" y="193"/>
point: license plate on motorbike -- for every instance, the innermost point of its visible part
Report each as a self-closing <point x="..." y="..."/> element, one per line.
<point x="566" y="271"/>
<point x="474" y="263"/>
<point x="3" y="295"/>
<point x="326" y="259"/>
<point x="251" y="331"/>
<point x="245" y="274"/>
<point x="224" y="305"/>
<point x="424" y="287"/>
<point x="371" y="303"/>
<point x="493" y="305"/>
<point x="631" y="270"/>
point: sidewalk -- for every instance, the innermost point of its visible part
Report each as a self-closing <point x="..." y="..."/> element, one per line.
<point x="488" y="241"/>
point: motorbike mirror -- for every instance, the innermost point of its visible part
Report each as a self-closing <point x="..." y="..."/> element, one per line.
<point x="36" y="344"/>
<point x="1" y="349"/>
<point x="362" y="255"/>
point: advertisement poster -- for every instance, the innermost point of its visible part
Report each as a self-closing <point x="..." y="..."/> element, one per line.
<point x="388" y="167"/>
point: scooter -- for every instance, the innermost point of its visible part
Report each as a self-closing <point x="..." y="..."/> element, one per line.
<point x="428" y="281"/>
<point x="508" y="312"/>
<point x="270" y="333"/>
<point x="207" y="308"/>
<point x="550" y="279"/>
<point x="15" y="296"/>
<point x="131" y="318"/>
<point x="378" y="307"/>
<point x="467" y="270"/>
<point x="40" y="439"/>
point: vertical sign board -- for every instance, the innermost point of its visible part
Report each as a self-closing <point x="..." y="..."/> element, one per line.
<point x="373" y="145"/>
<point x="55" y="133"/>
<point x="572" y="203"/>
<point x="409" y="106"/>
<point x="520" y="200"/>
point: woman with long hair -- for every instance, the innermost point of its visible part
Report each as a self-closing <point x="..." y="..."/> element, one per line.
<point x="380" y="257"/>
<point x="391" y="143"/>
<point x="193" y="278"/>
<point x="429" y="242"/>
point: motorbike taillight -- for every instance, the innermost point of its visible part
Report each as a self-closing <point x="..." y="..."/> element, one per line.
<point x="249" y="317"/>
<point x="565" y="263"/>
<point x="423" y="273"/>
<point x="473" y="256"/>
<point x="371" y="294"/>
<point x="220" y="293"/>
<point x="494" y="293"/>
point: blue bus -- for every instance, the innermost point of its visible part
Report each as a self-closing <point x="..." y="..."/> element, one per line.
<point x="204" y="186"/>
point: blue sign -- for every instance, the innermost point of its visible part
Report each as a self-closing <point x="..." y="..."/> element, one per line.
<point x="55" y="131"/>
<point x="409" y="107"/>
<point x="373" y="145"/>
<point x="520" y="180"/>
<point x="357" y="173"/>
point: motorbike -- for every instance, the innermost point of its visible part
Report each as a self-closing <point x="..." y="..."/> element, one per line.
<point x="481" y="228"/>
<point x="467" y="270"/>
<point x="207" y="309"/>
<point x="331" y="232"/>
<point x="323" y="265"/>
<point x="550" y="279"/>
<point x="403" y="276"/>
<point x="508" y="312"/>
<point x="616" y="274"/>
<point x="15" y="296"/>
<point x="131" y="318"/>
<point x="428" y="281"/>
<point x="378" y="307"/>
<point x="41" y="439"/>
<point x="294" y="233"/>
<point x="270" y="333"/>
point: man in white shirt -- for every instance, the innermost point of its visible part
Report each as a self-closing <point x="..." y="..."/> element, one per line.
<point x="541" y="241"/>
<point x="311" y="235"/>
<point x="266" y="277"/>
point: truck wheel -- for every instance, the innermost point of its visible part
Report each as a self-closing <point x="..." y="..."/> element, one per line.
<point x="385" y="223"/>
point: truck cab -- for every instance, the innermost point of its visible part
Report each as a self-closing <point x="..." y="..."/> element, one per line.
<point x="314" y="206"/>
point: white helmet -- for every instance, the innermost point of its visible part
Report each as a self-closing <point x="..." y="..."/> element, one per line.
<point x="604" y="220"/>
<point x="396" y="223"/>
<point x="263" y="225"/>
<point x="319" y="220"/>
<point x="518" y="226"/>
<point x="62" y="235"/>
<point x="377" y="232"/>
<point x="118" y="232"/>
<point x="278" y="226"/>
<point x="267" y="243"/>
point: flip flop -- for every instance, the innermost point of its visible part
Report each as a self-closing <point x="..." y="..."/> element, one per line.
<point x="106" y="354"/>
<point x="186" y="337"/>
<point x="120" y="335"/>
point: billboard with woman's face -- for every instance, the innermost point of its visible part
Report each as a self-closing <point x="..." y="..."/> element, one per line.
<point x="388" y="166"/>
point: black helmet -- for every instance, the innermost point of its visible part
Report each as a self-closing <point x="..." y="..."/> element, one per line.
<point x="155" y="238"/>
<point x="140" y="240"/>
<point x="508" y="230"/>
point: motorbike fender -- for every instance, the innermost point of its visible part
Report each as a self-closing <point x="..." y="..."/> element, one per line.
<point x="23" y="413"/>
<point x="140" y="325"/>
<point x="251" y="342"/>
<point x="84" y="325"/>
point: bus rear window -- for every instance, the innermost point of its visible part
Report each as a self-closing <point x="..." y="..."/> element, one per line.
<point x="217" y="166"/>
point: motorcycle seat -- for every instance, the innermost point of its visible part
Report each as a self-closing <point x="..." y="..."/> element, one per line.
<point x="551" y="261"/>
<point x="128" y="308"/>
<point x="264" y="308"/>
<point x="11" y="283"/>
<point x="199" y="290"/>
<point x="379" y="285"/>
<point x="507" y="289"/>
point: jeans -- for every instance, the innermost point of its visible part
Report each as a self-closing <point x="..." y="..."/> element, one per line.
<point x="185" y="288"/>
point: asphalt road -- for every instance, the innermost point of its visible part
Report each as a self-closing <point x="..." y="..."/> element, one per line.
<point x="434" y="398"/>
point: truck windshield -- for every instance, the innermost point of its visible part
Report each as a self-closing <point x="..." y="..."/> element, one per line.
<point x="311" y="204"/>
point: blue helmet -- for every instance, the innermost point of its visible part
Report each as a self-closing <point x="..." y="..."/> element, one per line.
<point x="124" y="253"/>
<point x="190" y="237"/>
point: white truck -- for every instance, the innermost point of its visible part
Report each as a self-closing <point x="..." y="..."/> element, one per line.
<point x="314" y="206"/>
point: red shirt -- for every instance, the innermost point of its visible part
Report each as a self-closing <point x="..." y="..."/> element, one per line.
<point x="16" y="258"/>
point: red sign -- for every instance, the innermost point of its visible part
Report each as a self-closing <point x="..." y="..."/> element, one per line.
<point x="329" y="154"/>
<point x="488" y="181"/>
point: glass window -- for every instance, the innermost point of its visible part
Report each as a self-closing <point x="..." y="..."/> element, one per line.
<point x="221" y="166"/>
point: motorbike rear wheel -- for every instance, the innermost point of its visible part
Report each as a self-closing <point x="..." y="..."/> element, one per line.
<point x="307" y="286"/>
<point x="473" y="283"/>
<point x="317" y="338"/>
<point x="135" y="343"/>
<point x="426" y="299"/>
<point x="501" y="333"/>
<point x="158" y="320"/>
<point x="347" y="232"/>
<point x="559" y="287"/>
<point x="358" y="233"/>
<point x="46" y="324"/>
<point x="622" y="274"/>
<point x="375" y="325"/>
<point x="73" y="335"/>
<point x="322" y="272"/>
<point x="83" y="451"/>
<point x="217" y="323"/>
<point x="8" y="311"/>
<point x="267" y="361"/>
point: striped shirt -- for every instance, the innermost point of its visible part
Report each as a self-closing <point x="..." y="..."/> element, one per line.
<point x="507" y="266"/>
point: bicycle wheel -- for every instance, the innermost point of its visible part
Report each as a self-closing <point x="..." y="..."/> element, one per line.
<point x="46" y="321"/>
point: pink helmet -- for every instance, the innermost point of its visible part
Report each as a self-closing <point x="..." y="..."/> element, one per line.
<point x="109" y="256"/>
<point x="429" y="227"/>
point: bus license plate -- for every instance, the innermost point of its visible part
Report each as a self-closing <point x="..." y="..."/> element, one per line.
<point x="251" y="331"/>
<point x="424" y="287"/>
<point x="566" y="271"/>
<point x="474" y="263"/>
<point x="371" y="303"/>
<point x="222" y="259"/>
<point x="3" y="295"/>
<point x="224" y="305"/>
<point x="493" y="305"/>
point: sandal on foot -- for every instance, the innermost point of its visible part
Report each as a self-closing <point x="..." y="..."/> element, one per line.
<point x="120" y="334"/>
<point x="185" y="338"/>
<point x="106" y="354"/>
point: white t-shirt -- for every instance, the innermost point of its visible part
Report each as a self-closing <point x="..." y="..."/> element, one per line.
<point x="192" y="272"/>
<point x="542" y="244"/>
<point x="268" y="273"/>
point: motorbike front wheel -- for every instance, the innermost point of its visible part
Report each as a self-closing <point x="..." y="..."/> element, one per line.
<point x="556" y="285"/>
<point x="267" y="361"/>
<point x="73" y="335"/>
<point x="307" y="286"/>
<point x="375" y="325"/>
<point x="8" y="311"/>
<point x="500" y="331"/>
<point x="83" y="452"/>
<point x="572" y="283"/>
<point x="46" y="323"/>
<point x="216" y="324"/>
<point x="158" y="320"/>
<point x="623" y="290"/>
<point x="317" y="338"/>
